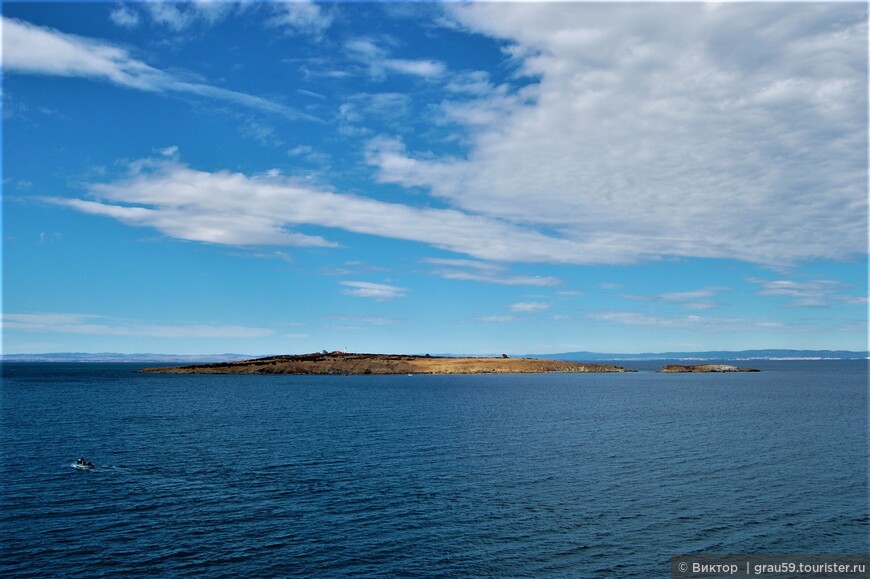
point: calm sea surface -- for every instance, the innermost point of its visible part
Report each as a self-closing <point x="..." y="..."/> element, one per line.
<point x="454" y="476"/>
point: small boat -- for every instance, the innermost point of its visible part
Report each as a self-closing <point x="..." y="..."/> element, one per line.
<point x="83" y="464"/>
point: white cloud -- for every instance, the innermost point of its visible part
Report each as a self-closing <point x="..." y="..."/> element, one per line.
<point x="364" y="49"/>
<point x="377" y="291"/>
<point x="179" y="16"/>
<point x="280" y="255"/>
<point x="124" y="16"/>
<point x="688" y="322"/>
<point x="30" y="49"/>
<point x="46" y="238"/>
<point x="702" y="299"/>
<point x="689" y="296"/>
<point x="379" y="63"/>
<point x="301" y="17"/>
<point x="237" y="209"/>
<point x="529" y="307"/>
<point x="422" y="68"/>
<point x="170" y="15"/>
<point x="808" y="294"/>
<point x="475" y="82"/>
<point x="261" y="132"/>
<point x="170" y="152"/>
<point x="72" y="323"/>
<point x="486" y="272"/>
<point x="389" y="107"/>
<point x="665" y="130"/>
<point x="309" y="154"/>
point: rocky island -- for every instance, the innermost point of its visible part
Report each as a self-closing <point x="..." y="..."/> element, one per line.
<point x="678" y="368"/>
<point x="346" y="363"/>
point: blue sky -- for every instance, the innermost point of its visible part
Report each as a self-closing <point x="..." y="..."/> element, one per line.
<point x="473" y="178"/>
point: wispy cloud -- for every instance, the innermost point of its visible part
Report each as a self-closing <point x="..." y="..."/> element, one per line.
<point x="486" y="272"/>
<point x="689" y="322"/>
<point x="526" y="307"/>
<point x="493" y="319"/>
<point x="701" y="299"/>
<point x="376" y="291"/>
<point x="475" y="83"/>
<point x="354" y="268"/>
<point x="379" y="63"/>
<point x="301" y="17"/>
<point x="293" y="17"/>
<point x="238" y="209"/>
<point x="280" y="255"/>
<point x="30" y="49"/>
<point x="808" y="294"/>
<point x="89" y="324"/>
<point x="124" y="16"/>
<point x="361" y="108"/>
<point x="180" y="16"/>
<point x="261" y="132"/>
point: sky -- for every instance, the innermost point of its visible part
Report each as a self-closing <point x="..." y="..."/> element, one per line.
<point x="464" y="178"/>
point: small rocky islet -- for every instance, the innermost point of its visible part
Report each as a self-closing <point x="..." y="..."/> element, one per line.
<point x="701" y="368"/>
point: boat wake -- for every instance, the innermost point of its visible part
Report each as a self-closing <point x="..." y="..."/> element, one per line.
<point x="101" y="468"/>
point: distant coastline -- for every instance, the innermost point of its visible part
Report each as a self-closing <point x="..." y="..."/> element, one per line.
<point x="719" y="355"/>
<point x="723" y="355"/>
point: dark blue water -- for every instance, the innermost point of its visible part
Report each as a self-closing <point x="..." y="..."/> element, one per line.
<point x="545" y="475"/>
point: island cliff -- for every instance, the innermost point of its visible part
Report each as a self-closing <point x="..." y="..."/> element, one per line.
<point x="677" y="368"/>
<point x="345" y="363"/>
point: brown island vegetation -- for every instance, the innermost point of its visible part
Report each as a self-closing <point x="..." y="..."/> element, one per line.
<point x="345" y="363"/>
<point x="678" y="368"/>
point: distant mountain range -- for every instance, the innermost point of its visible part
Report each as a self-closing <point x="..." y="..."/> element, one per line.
<point x="716" y="355"/>
<point x="572" y="356"/>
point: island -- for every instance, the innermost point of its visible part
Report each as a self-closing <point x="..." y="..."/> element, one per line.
<point x="342" y="363"/>
<point x="678" y="368"/>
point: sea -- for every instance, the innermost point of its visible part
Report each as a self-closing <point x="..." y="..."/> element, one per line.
<point x="553" y="475"/>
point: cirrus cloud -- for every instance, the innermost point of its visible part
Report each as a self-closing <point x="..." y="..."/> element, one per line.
<point x="486" y="272"/>
<point x="809" y="294"/>
<point x="30" y="49"/>
<point x="376" y="58"/>
<point x="377" y="291"/>
<point x="528" y="307"/>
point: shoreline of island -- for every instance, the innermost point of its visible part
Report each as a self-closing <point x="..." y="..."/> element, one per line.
<point x="342" y="363"/>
